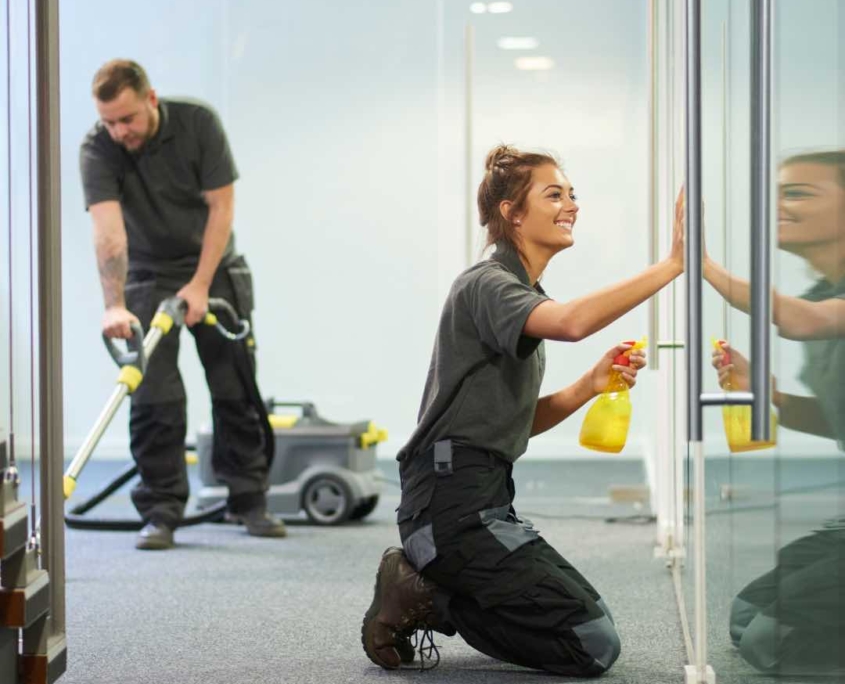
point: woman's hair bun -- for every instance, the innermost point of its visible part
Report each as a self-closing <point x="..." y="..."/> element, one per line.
<point x="500" y="156"/>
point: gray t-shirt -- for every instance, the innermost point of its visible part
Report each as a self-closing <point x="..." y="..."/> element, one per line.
<point x="824" y="364"/>
<point x="484" y="379"/>
<point x="160" y="187"/>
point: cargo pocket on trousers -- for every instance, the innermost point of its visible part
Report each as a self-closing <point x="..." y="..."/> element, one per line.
<point x="241" y="279"/>
<point x="416" y="500"/>
<point x="415" y="528"/>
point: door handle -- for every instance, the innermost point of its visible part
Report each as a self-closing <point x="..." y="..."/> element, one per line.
<point x="761" y="300"/>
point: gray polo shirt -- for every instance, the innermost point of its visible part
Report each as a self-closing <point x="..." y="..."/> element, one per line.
<point x="824" y="364"/>
<point x="160" y="187"/>
<point x="484" y="379"/>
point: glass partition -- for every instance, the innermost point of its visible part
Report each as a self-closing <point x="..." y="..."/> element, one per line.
<point x="775" y="555"/>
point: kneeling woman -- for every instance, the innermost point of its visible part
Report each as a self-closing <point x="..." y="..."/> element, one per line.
<point x="470" y="564"/>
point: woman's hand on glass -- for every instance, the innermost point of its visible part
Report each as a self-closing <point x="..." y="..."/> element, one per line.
<point x="676" y="255"/>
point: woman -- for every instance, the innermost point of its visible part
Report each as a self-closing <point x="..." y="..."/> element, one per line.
<point x="470" y="564"/>
<point x="792" y="618"/>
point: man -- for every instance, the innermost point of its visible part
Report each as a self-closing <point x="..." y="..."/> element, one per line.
<point x="158" y="180"/>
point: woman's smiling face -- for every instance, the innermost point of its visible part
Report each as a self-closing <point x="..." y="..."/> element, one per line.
<point x="811" y="206"/>
<point x="550" y="210"/>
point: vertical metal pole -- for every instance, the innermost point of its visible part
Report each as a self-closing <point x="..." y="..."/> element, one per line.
<point x="653" y="223"/>
<point x="761" y="165"/>
<point x="693" y="218"/>
<point x="50" y="306"/>
<point x="694" y="323"/>
<point x="469" y="224"/>
<point x="659" y="60"/>
<point x="675" y="23"/>
<point x="700" y="563"/>
<point x="725" y="184"/>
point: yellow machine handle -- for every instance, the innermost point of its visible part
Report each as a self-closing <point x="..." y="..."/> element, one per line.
<point x="163" y="321"/>
<point x="131" y="377"/>
<point x="68" y="485"/>
<point x="372" y="436"/>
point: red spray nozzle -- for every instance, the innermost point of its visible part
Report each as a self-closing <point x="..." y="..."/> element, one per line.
<point x="727" y="355"/>
<point x="720" y="345"/>
<point x="622" y="359"/>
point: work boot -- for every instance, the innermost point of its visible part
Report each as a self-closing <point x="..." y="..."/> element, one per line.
<point x="260" y="523"/>
<point x="402" y="603"/>
<point x="154" y="537"/>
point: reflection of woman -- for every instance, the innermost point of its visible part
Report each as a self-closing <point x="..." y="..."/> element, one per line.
<point x="483" y="571"/>
<point x="793" y="618"/>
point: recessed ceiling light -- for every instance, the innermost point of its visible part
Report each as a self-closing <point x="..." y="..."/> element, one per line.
<point x="478" y="8"/>
<point x="499" y="7"/>
<point x="534" y="63"/>
<point x="515" y="43"/>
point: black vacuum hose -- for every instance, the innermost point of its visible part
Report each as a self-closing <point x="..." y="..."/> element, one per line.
<point x="77" y="520"/>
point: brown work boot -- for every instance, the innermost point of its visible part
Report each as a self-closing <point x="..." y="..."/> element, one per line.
<point x="402" y="602"/>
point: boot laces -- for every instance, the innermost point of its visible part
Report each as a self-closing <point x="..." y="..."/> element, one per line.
<point x="421" y="635"/>
<point x="422" y="640"/>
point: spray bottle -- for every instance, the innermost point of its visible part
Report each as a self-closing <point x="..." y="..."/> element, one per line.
<point x="605" y="427"/>
<point x="737" y="419"/>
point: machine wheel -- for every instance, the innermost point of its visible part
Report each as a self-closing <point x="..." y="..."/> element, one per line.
<point x="363" y="509"/>
<point x="327" y="500"/>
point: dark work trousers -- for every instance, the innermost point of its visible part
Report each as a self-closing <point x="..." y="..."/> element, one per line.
<point x="792" y="619"/>
<point x="158" y="420"/>
<point x="506" y="591"/>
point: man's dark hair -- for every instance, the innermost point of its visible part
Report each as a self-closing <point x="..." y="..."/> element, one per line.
<point x="115" y="76"/>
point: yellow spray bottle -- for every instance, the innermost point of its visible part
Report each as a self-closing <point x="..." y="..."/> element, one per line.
<point x="737" y="419"/>
<point x="605" y="427"/>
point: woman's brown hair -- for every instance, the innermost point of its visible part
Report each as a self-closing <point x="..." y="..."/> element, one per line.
<point x="507" y="177"/>
<point x="834" y="158"/>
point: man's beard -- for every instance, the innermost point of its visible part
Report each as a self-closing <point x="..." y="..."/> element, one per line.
<point x="142" y="140"/>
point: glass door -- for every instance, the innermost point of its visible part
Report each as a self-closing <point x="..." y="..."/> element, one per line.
<point x="764" y="574"/>
<point x="739" y="474"/>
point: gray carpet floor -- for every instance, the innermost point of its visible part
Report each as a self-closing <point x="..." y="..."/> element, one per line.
<point x="224" y="608"/>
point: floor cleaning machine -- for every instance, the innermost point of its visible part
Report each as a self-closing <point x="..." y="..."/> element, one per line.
<point x="326" y="469"/>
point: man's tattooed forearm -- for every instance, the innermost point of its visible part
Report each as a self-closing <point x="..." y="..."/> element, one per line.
<point x="113" y="278"/>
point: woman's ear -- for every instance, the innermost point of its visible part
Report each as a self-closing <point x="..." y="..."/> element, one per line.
<point x="506" y="210"/>
<point x="505" y="207"/>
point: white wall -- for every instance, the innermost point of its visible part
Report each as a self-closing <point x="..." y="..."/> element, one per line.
<point x="179" y="44"/>
<point x="333" y="118"/>
<point x="346" y="121"/>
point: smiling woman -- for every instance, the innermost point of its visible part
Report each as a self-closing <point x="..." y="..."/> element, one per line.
<point x="811" y="204"/>
<point x="542" y="210"/>
<point x="469" y="563"/>
<point x="811" y="225"/>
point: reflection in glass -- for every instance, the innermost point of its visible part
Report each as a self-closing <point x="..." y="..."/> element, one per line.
<point x="791" y="620"/>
